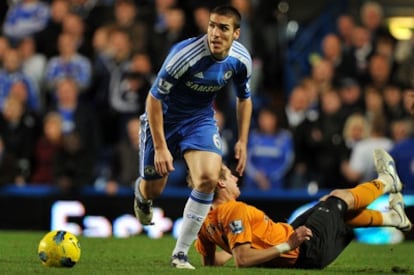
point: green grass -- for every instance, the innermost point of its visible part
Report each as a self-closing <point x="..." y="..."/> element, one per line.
<point x="141" y="255"/>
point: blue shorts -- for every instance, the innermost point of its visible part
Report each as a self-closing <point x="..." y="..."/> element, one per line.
<point x="198" y="134"/>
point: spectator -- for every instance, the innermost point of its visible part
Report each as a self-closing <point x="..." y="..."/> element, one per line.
<point x="160" y="9"/>
<point x="312" y="91"/>
<point x="201" y="17"/>
<point x="134" y="89"/>
<point x="68" y="64"/>
<point x="227" y="136"/>
<point x="374" y="103"/>
<point x="9" y="170"/>
<point x="320" y="144"/>
<point x="400" y="130"/>
<point x="172" y="32"/>
<point x="351" y="96"/>
<point x="393" y="103"/>
<point x="362" y="50"/>
<point x="46" y="149"/>
<point x="251" y="38"/>
<point x="74" y="25"/>
<point x="403" y="152"/>
<point x="47" y="39"/>
<point x="332" y="52"/>
<point x="4" y="46"/>
<point x="19" y="130"/>
<point x="82" y="8"/>
<point x="25" y="18"/>
<point x="405" y="72"/>
<point x="323" y="74"/>
<point x="372" y="18"/>
<point x="379" y="72"/>
<point x="360" y="166"/>
<point x="100" y="43"/>
<point x="72" y="167"/>
<point x="10" y="74"/>
<point x="126" y="18"/>
<point x="356" y="128"/>
<point x="77" y="117"/>
<point x="386" y="47"/>
<point x="270" y="154"/>
<point x="297" y="108"/>
<point x="19" y="91"/>
<point x="408" y="101"/>
<point x="33" y="63"/>
<point x="345" y="25"/>
<point x="114" y="86"/>
<point x="123" y="169"/>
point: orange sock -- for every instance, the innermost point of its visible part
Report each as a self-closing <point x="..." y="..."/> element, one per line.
<point x="367" y="192"/>
<point x="364" y="218"/>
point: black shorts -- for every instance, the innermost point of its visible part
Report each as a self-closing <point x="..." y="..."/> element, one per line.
<point x="330" y="234"/>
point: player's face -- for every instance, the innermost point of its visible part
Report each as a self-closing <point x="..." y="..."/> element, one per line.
<point x="221" y="33"/>
<point x="231" y="183"/>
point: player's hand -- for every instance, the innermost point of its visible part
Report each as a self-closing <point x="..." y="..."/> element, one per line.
<point x="163" y="162"/>
<point x="240" y="153"/>
<point x="301" y="234"/>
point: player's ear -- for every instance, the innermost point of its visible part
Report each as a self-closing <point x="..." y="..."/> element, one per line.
<point x="236" y="34"/>
<point x="221" y="183"/>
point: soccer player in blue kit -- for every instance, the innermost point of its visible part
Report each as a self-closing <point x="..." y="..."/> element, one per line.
<point x="179" y="118"/>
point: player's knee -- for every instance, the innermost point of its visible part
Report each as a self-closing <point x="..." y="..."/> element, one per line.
<point x="340" y="193"/>
<point x="207" y="183"/>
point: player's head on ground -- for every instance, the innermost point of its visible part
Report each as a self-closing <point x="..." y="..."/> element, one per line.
<point x="227" y="186"/>
<point x="223" y="29"/>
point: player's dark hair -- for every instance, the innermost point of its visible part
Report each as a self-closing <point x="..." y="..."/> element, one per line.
<point x="229" y="11"/>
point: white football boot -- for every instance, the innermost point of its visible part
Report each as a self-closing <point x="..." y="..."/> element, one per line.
<point x="180" y="261"/>
<point x="396" y="203"/>
<point x="387" y="171"/>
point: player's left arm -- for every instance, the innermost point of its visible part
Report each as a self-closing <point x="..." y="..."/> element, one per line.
<point x="247" y="256"/>
<point x="244" y="113"/>
<point x="244" y="107"/>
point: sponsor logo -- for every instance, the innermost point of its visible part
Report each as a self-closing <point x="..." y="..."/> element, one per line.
<point x="236" y="227"/>
<point x="164" y="86"/>
<point x="202" y="88"/>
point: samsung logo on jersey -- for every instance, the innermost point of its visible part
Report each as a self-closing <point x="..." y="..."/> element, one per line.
<point x="202" y="88"/>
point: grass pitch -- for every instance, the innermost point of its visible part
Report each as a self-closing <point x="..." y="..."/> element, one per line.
<point x="141" y="255"/>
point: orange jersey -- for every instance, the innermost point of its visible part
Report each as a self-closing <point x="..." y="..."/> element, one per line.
<point x="235" y="222"/>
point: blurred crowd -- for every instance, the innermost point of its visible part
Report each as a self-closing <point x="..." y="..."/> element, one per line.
<point x="74" y="75"/>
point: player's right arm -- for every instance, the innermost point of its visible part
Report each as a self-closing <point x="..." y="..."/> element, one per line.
<point x="163" y="159"/>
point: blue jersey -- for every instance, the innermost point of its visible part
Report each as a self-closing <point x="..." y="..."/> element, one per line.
<point x="24" y="19"/>
<point x="403" y="154"/>
<point x="78" y="68"/>
<point x="271" y="155"/>
<point x="187" y="85"/>
<point x="190" y="78"/>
